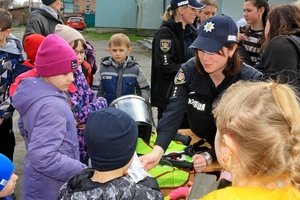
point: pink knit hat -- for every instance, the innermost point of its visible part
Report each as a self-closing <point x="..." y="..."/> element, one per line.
<point x="54" y="57"/>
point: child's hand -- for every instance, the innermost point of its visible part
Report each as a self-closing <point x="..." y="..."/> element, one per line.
<point x="199" y="162"/>
<point x="241" y="37"/>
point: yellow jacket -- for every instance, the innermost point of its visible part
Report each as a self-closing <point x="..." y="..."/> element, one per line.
<point x="253" y="193"/>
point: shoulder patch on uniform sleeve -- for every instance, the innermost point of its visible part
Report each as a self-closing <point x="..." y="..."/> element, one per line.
<point x="179" y="78"/>
<point x="165" y="45"/>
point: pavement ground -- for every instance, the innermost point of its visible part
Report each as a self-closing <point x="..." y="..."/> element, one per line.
<point x="141" y="54"/>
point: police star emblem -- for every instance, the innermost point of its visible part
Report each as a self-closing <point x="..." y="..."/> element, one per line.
<point x="165" y="45"/>
<point x="179" y="78"/>
<point x="209" y="26"/>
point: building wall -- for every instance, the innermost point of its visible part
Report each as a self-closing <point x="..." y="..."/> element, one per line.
<point x="149" y="14"/>
<point x="79" y="7"/>
<point x="20" y="15"/>
<point x="116" y="13"/>
<point x="142" y="14"/>
<point x="84" y="6"/>
<point x="145" y="14"/>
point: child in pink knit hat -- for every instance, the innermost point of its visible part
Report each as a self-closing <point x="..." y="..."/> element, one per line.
<point x="46" y="121"/>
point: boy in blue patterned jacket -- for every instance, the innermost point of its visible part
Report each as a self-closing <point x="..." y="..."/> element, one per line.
<point x="119" y="74"/>
<point x="11" y="58"/>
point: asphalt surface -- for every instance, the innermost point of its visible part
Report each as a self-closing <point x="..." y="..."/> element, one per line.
<point x="141" y="54"/>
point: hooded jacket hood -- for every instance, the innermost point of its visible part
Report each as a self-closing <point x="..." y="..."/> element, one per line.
<point x="13" y="45"/>
<point x="32" y="90"/>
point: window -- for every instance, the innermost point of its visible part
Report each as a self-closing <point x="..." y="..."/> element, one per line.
<point x="76" y="8"/>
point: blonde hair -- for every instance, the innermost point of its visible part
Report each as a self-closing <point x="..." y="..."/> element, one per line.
<point x="297" y="3"/>
<point x="168" y="14"/>
<point x="264" y="121"/>
<point x="210" y="3"/>
<point x="171" y="14"/>
<point x="119" y="39"/>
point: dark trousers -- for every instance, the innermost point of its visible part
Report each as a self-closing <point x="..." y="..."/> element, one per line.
<point x="7" y="139"/>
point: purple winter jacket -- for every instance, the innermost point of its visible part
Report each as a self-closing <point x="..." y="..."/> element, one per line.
<point x="48" y="127"/>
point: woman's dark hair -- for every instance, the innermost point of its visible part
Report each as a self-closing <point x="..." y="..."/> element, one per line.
<point x="233" y="66"/>
<point x="284" y="20"/>
<point x="262" y="4"/>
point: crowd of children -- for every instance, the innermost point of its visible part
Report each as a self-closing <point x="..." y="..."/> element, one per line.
<point x="78" y="147"/>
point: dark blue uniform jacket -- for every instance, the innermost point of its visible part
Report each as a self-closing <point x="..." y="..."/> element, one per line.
<point x="196" y="95"/>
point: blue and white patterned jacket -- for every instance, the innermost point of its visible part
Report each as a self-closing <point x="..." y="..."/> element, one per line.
<point x="117" y="80"/>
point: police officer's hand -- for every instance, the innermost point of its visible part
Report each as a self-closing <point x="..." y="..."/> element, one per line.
<point x="199" y="162"/>
<point x="151" y="159"/>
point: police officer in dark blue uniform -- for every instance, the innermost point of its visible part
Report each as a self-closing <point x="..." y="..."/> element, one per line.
<point x="170" y="48"/>
<point x="198" y="83"/>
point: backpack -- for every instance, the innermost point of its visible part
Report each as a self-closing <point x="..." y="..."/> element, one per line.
<point x="91" y="57"/>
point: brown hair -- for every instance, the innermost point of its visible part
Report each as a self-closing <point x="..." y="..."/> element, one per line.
<point x="262" y="4"/>
<point x="233" y="66"/>
<point x="284" y="20"/>
<point x="5" y="19"/>
<point x="76" y="43"/>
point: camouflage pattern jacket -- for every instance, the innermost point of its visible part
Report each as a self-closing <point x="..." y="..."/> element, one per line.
<point x="123" y="188"/>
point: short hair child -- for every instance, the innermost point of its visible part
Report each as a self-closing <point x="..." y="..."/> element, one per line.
<point x="120" y="66"/>
<point x="111" y="137"/>
<point x="10" y="58"/>
<point x="119" y="39"/>
<point x="5" y="19"/>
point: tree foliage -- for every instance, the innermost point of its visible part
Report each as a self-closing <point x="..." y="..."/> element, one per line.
<point x="5" y="4"/>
